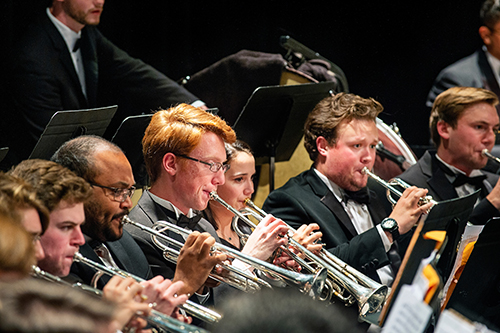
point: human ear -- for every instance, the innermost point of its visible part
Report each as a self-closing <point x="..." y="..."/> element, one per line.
<point x="322" y="145"/>
<point x="169" y="163"/>
<point x="443" y="129"/>
<point x="485" y="34"/>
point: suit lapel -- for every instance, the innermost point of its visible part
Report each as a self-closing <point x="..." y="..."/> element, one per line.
<point x="330" y="201"/>
<point x="437" y="179"/>
<point x="490" y="81"/>
<point x="64" y="56"/>
<point x="89" y="56"/>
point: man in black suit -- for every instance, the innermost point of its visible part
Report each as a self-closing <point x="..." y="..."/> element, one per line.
<point x="482" y="68"/>
<point x="51" y="72"/>
<point x="463" y="123"/>
<point x="340" y="137"/>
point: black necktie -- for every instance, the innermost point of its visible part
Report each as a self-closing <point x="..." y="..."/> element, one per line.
<point x="362" y="196"/>
<point x="462" y="179"/>
<point x="77" y="45"/>
<point x="189" y="222"/>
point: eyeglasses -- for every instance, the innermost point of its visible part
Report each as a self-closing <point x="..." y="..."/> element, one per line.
<point x="119" y="194"/>
<point x="214" y="166"/>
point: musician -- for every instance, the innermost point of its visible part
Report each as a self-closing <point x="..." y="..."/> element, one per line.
<point x="18" y="200"/>
<point x="463" y="122"/>
<point x="184" y="154"/>
<point x="64" y="194"/>
<point x="481" y="69"/>
<point x="340" y="137"/>
<point x="63" y="62"/>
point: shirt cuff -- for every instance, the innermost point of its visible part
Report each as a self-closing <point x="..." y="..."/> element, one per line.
<point x="198" y="103"/>
<point x="385" y="240"/>
<point x="203" y="298"/>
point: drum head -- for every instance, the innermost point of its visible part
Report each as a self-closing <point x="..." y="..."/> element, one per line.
<point x="392" y="141"/>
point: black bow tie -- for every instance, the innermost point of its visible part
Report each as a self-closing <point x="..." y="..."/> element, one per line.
<point x="77" y="45"/>
<point x="189" y="222"/>
<point x="362" y="196"/>
<point x="462" y="179"/>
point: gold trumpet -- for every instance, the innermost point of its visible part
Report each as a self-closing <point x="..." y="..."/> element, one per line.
<point x="390" y="187"/>
<point x="311" y="284"/>
<point x="492" y="157"/>
<point x="155" y="318"/>
<point x="368" y="294"/>
<point x="190" y="307"/>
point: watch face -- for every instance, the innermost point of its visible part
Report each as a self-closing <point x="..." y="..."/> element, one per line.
<point x="388" y="224"/>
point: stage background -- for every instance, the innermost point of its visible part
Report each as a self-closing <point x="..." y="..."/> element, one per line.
<point x="389" y="50"/>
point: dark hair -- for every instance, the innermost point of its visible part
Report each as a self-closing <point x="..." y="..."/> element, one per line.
<point x="330" y="112"/>
<point x="52" y="182"/>
<point x="490" y="13"/>
<point x="78" y="155"/>
<point x="451" y="104"/>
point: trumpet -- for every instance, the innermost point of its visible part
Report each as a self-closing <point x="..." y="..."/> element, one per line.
<point x="390" y="187"/>
<point x="235" y="277"/>
<point x="312" y="284"/>
<point x="368" y="294"/>
<point x="190" y="307"/>
<point x="155" y="318"/>
<point x="492" y="157"/>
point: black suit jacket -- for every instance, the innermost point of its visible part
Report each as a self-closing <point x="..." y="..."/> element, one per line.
<point x="126" y="254"/>
<point x="305" y="199"/>
<point x="148" y="212"/>
<point x="472" y="71"/>
<point x="426" y="173"/>
<point x="43" y="80"/>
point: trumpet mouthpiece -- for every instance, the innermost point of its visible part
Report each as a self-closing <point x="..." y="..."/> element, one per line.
<point x="213" y="195"/>
<point x="484" y="152"/>
<point x="365" y="170"/>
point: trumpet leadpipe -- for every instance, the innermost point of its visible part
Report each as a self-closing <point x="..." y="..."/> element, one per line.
<point x="490" y="156"/>
<point x="190" y="307"/>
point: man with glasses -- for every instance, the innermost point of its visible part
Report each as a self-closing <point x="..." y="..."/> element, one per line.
<point x="107" y="170"/>
<point x="482" y="68"/>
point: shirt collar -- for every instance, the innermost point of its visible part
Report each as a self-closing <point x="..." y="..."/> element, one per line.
<point x="69" y="36"/>
<point x="457" y="171"/>
<point x="334" y="188"/>
<point x="494" y="63"/>
<point x="168" y="205"/>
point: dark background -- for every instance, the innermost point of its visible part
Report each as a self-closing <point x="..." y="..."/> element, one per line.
<point x="389" y="50"/>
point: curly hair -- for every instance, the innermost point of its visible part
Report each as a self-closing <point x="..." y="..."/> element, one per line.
<point x="330" y="112"/>
<point x="178" y="130"/>
<point x="52" y="182"/>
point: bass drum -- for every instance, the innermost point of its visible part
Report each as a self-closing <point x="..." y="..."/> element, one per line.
<point x="395" y="146"/>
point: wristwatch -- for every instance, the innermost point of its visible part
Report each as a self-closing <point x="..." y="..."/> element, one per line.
<point x="391" y="225"/>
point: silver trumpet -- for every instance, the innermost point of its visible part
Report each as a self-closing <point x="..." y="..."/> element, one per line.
<point x="368" y="294"/>
<point x="390" y="187"/>
<point x="492" y="157"/>
<point x="190" y="307"/>
<point x="311" y="284"/>
<point x="235" y="277"/>
<point x="155" y="318"/>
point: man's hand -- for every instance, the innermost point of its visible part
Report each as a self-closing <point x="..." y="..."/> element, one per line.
<point x="165" y="294"/>
<point x="307" y="236"/>
<point x="407" y="210"/>
<point x="195" y="261"/>
<point x="266" y="238"/>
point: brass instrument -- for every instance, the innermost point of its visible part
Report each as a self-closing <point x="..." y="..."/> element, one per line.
<point x="390" y="187"/>
<point x="490" y="156"/>
<point x="190" y="307"/>
<point x="368" y="294"/>
<point x="235" y="277"/>
<point x="155" y="317"/>
<point x="311" y="284"/>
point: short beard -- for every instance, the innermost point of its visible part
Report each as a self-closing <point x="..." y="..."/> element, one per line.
<point x="98" y="225"/>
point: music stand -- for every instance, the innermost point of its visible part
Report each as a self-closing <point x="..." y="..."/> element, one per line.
<point x="3" y="153"/>
<point x="129" y="138"/>
<point x="66" y="125"/>
<point x="477" y="293"/>
<point x="450" y="215"/>
<point x="272" y="120"/>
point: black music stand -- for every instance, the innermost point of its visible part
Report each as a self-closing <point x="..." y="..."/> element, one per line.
<point x="66" y="125"/>
<point x="477" y="293"/>
<point x="3" y="153"/>
<point x="129" y="138"/>
<point x="450" y="215"/>
<point x="273" y="119"/>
